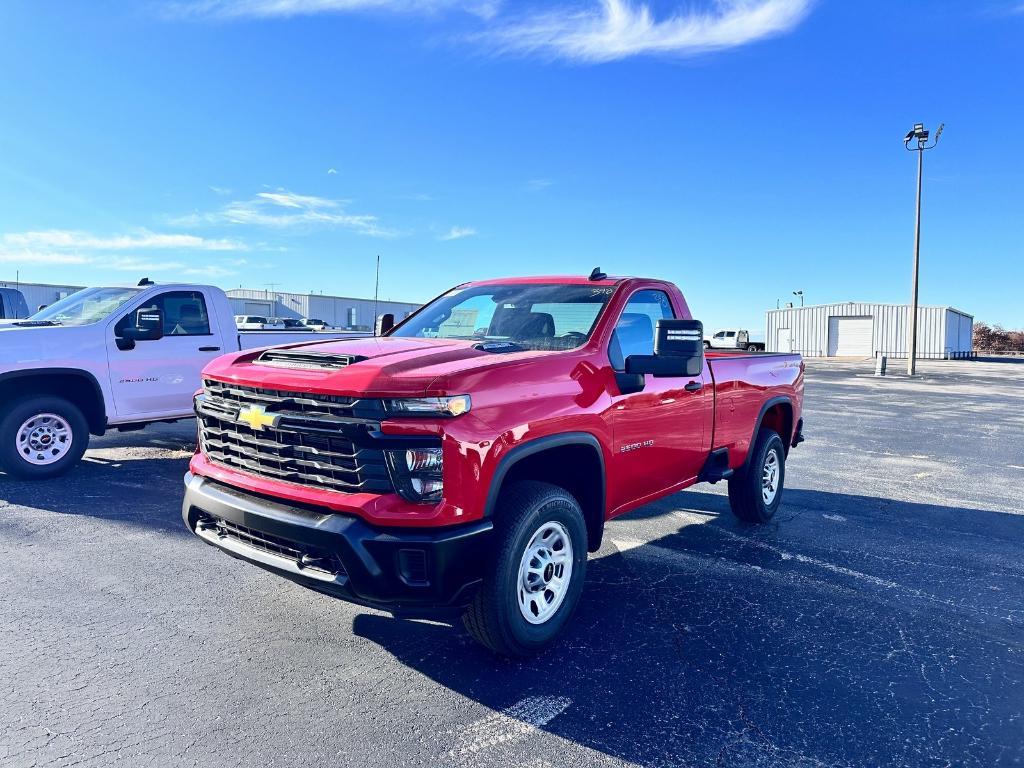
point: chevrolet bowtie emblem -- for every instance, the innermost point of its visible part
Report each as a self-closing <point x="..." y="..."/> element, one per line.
<point x="257" y="418"/>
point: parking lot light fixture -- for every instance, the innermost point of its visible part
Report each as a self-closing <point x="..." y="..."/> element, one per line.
<point x="917" y="136"/>
<point x="801" y="295"/>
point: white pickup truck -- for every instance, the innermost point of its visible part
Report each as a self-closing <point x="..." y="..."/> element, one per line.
<point x="733" y="338"/>
<point x="111" y="358"/>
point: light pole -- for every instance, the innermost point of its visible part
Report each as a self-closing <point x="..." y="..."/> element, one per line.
<point x="919" y="134"/>
<point x="801" y="295"/>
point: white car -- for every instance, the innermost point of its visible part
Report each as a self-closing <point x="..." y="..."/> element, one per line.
<point x="110" y="358"/>
<point x="314" y="324"/>
<point x="257" y="323"/>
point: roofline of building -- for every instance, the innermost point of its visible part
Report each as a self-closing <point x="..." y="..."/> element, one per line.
<point x="873" y="304"/>
<point x="270" y="295"/>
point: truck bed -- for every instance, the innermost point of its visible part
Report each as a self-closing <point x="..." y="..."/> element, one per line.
<point x="744" y="384"/>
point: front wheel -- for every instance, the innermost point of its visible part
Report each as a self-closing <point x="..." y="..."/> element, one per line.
<point x="533" y="584"/>
<point x="755" y="492"/>
<point x="42" y="437"/>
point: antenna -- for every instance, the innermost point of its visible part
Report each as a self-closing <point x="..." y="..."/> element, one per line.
<point x="597" y="274"/>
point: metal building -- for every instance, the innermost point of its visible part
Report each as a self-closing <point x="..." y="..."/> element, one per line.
<point x="338" y="311"/>
<point x="39" y="294"/>
<point x="854" y="329"/>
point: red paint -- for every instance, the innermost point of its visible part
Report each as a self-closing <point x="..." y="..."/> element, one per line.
<point x="523" y="396"/>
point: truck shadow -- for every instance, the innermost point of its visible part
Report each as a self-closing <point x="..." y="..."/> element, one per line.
<point x="854" y="631"/>
<point x="141" y="491"/>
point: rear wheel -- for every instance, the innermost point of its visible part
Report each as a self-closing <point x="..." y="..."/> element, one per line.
<point x="42" y="437"/>
<point x="752" y="348"/>
<point x="533" y="584"/>
<point x="755" y="493"/>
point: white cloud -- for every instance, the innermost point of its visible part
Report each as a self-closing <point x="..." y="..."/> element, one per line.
<point x="66" y="239"/>
<point x="457" y="233"/>
<point x="332" y="171"/>
<point x="282" y="209"/>
<point x="536" y="185"/>
<point x="235" y="9"/>
<point x="45" y="258"/>
<point x="223" y="191"/>
<point x="617" y="29"/>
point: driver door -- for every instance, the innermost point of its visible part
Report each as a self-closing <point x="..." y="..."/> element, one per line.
<point x="659" y="434"/>
<point x="156" y="379"/>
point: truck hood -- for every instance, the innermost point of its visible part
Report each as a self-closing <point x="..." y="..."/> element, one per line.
<point x="32" y="345"/>
<point x="392" y="366"/>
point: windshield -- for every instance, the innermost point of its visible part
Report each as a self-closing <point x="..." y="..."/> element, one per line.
<point x="90" y="305"/>
<point x="539" y="317"/>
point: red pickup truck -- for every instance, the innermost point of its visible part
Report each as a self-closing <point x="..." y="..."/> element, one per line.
<point x="466" y="461"/>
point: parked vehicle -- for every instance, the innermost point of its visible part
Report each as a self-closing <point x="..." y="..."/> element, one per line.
<point x="258" y="323"/>
<point x="314" y="324"/>
<point x="12" y="304"/>
<point x="733" y="338"/>
<point x="288" y="324"/>
<point x="467" y="461"/>
<point x="112" y="357"/>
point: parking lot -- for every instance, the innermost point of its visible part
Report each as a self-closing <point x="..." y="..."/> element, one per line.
<point x="878" y="620"/>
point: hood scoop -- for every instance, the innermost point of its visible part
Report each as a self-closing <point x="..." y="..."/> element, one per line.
<point x="297" y="358"/>
<point x="498" y="346"/>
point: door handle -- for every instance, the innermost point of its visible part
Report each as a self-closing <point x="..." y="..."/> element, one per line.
<point x="209" y="349"/>
<point x="693" y="386"/>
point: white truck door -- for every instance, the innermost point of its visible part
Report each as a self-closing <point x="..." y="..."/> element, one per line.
<point x="718" y="340"/>
<point x="156" y="379"/>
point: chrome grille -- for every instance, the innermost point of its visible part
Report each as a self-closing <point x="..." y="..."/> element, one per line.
<point x="313" y="440"/>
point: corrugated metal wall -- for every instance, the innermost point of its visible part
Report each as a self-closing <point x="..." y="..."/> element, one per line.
<point x="942" y="332"/>
<point x="335" y="310"/>
<point x="38" y="293"/>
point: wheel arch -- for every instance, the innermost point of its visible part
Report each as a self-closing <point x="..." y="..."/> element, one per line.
<point x="776" y="413"/>
<point x="573" y="461"/>
<point x="78" y="386"/>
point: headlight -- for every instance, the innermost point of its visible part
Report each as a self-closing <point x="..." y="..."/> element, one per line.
<point x="417" y="473"/>
<point x="454" y="405"/>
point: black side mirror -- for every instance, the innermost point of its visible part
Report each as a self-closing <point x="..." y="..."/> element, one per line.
<point x="384" y="324"/>
<point x="678" y="351"/>
<point x="149" y="326"/>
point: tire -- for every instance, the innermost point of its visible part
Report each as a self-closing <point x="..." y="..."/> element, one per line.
<point x="495" y="618"/>
<point x="749" y="497"/>
<point x="707" y="345"/>
<point x="752" y="348"/>
<point x="42" y="437"/>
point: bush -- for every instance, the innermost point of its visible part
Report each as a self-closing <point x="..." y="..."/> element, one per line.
<point x="995" y="338"/>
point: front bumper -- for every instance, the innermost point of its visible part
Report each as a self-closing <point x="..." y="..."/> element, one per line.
<point x="408" y="571"/>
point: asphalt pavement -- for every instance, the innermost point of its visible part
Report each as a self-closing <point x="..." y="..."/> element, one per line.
<point x="877" y="621"/>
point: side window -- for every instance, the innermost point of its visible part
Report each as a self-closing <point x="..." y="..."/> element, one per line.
<point x="184" y="314"/>
<point x="731" y="334"/>
<point x="634" y="333"/>
<point x="720" y="335"/>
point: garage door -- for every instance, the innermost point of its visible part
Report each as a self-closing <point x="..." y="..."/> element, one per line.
<point x="849" y="336"/>
<point x="257" y="308"/>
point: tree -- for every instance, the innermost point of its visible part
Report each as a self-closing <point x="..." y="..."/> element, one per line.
<point x="995" y="338"/>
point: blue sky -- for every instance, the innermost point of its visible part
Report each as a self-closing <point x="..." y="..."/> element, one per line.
<point x="742" y="149"/>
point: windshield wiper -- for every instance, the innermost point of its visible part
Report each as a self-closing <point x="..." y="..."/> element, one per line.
<point x="36" y="323"/>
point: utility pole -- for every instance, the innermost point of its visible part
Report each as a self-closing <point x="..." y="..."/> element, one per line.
<point x="376" y="290"/>
<point x="801" y="295"/>
<point x="917" y="132"/>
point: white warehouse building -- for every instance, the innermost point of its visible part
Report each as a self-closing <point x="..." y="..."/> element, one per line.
<point x="854" y="329"/>
<point x="336" y="311"/>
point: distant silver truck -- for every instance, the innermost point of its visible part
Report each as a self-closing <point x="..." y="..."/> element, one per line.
<point x="733" y="338"/>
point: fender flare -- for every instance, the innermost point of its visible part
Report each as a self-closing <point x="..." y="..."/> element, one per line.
<point x="97" y="427"/>
<point x="522" y="451"/>
<point x="768" y="405"/>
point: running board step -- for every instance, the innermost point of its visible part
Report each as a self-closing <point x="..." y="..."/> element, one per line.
<point x="716" y="467"/>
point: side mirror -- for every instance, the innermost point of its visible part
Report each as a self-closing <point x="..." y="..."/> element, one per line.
<point x="149" y="326"/>
<point x="384" y="324"/>
<point x="678" y="351"/>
